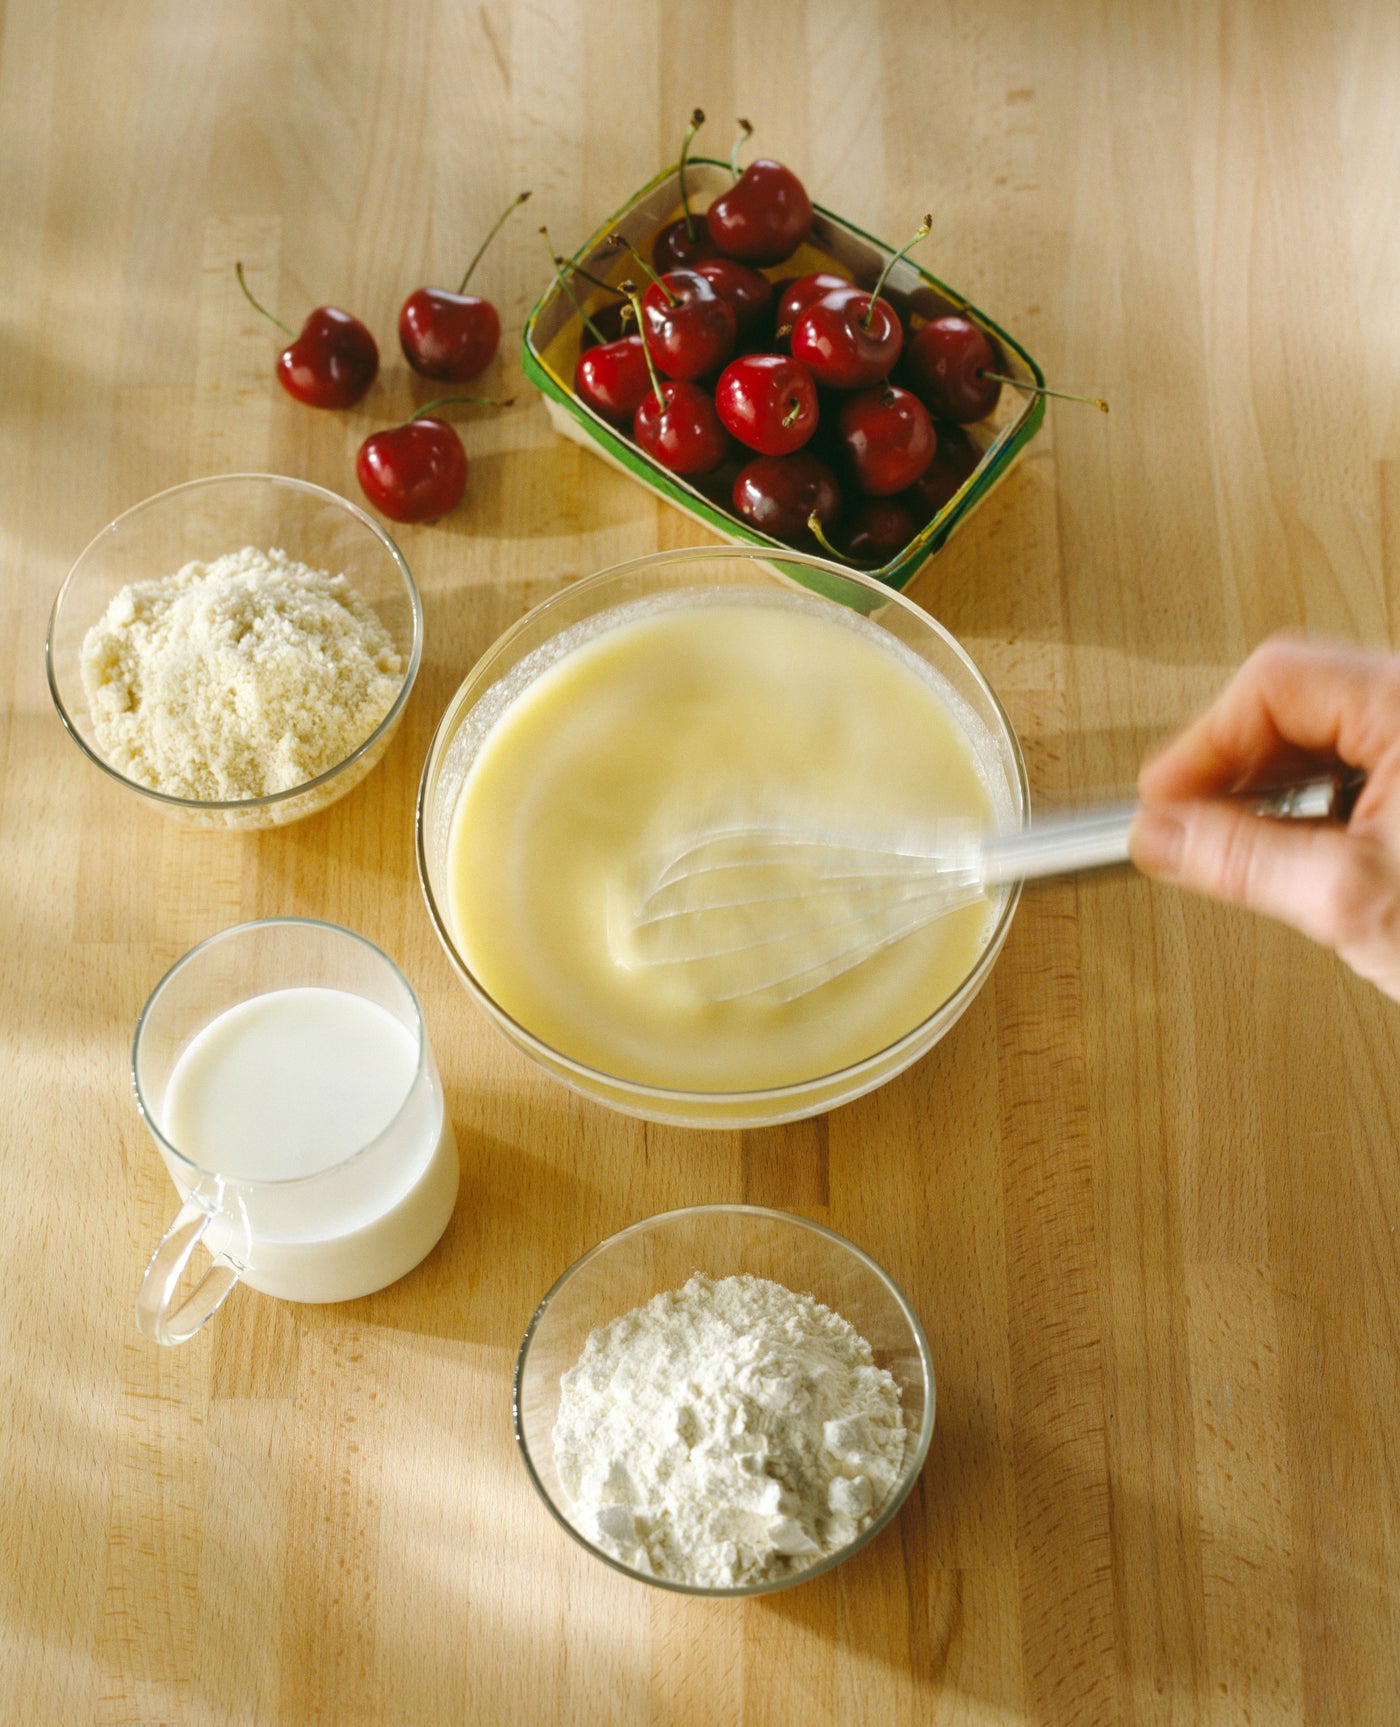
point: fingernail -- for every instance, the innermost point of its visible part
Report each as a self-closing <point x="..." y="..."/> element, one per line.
<point x="1157" y="841"/>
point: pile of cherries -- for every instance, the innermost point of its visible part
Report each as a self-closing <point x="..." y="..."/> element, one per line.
<point x="417" y="471"/>
<point x="803" y="404"/>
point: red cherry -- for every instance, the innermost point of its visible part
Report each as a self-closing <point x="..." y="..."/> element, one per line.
<point x="879" y="530"/>
<point x="778" y="493"/>
<point x="613" y="378"/>
<point x="889" y="439"/>
<point x="687" y="327"/>
<point x="331" y="363"/>
<point x="768" y="401"/>
<point x="749" y="292"/>
<point x="954" y="458"/>
<point x="841" y="347"/>
<point x="418" y="471"/>
<point x="676" y="424"/>
<point x="944" y="363"/>
<point x="847" y="339"/>
<point x="676" y="248"/>
<point x="415" y="472"/>
<point x="452" y="336"/>
<point x="765" y="216"/>
<point x="804" y="291"/>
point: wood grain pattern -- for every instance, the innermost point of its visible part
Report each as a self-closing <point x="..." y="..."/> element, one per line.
<point x="1145" y="1195"/>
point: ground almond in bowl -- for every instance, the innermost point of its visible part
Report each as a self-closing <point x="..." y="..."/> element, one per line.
<point x="237" y="679"/>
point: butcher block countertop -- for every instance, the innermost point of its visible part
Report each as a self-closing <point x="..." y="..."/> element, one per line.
<point x="1143" y="1197"/>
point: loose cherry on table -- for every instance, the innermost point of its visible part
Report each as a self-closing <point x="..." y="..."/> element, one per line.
<point x="765" y="215"/>
<point x="418" y="471"/>
<point x="848" y="339"/>
<point x="676" y="423"/>
<point x="683" y="243"/>
<point x="453" y="336"/>
<point x="688" y="329"/>
<point x="777" y="494"/>
<point x="331" y="363"/>
<point x="889" y="439"/>
<point x="768" y="401"/>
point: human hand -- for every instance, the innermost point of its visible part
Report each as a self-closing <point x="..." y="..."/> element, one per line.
<point x="1293" y="711"/>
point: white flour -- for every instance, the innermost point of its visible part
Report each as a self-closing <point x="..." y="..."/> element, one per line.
<point x="248" y="675"/>
<point x="726" y="1433"/>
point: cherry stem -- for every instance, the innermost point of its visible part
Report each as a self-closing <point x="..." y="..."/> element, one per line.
<point x="818" y="533"/>
<point x="473" y="401"/>
<point x="745" y="133"/>
<point x="922" y="232"/>
<point x="794" y="413"/>
<point x="238" y="271"/>
<point x="697" y="120"/>
<point x="656" y="281"/>
<point x="514" y="204"/>
<point x="630" y="289"/>
<point x="1043" y="389"/>
<point x="588" y="276"/>
<point x="566" y="290"/>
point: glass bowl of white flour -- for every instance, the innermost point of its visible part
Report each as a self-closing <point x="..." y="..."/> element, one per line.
<point x="724" y="1400"/>
<point x="237" y="651"/>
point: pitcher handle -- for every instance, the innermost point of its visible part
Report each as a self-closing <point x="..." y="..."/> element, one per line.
<point x="154" y="1314"/>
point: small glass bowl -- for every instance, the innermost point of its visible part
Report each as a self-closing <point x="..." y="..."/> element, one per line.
<point x="658" y="1255"/>
<point x="584" y="607"/>
<point x="206" y="519"/>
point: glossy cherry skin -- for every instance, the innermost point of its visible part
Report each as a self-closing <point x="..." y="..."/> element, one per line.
<point x="675" y="248"/>
<point x="689" y="329"/>
<point x="778" y="493"/>
<point x="839" y="349"/>
<point x="331" y="363"/>
<point x="415" y="472"/>
<point x="879" y="529"/>
<point x="954" y="459"/>
<point x="748" y="292"/>
<point x="768" y="402"/>
<point x="763" y="217"/>
<point x="942" y="364"/>
<point x="446" y="335"/>
<point x="683" y="431"/>
<point x="613" y="378"/>
<point x="889" y="439"/>
<point x="804" y="291"/>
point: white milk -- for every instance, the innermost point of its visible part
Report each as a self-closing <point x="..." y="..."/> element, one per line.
<point x="293" y="1084"/>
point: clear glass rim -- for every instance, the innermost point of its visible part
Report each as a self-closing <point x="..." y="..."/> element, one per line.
<point x="281" y="1182"/>
<point x="590" y="1078"/>
<point x="269" y="800"/>
<point x="909" y="1472"/>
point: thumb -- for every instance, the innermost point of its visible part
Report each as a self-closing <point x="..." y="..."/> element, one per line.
<point x="1291" y="871"/>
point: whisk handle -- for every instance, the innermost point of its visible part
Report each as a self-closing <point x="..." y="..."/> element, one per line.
<point x="1088" y="839"/>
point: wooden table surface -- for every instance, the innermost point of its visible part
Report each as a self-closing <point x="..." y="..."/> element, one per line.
<point x="1144" y="1197"/>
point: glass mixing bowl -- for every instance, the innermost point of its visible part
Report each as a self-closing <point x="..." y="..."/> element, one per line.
<point x="586" y="608"/>
<point x="203" y="520"/>
<point x="658" y="1255"/>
